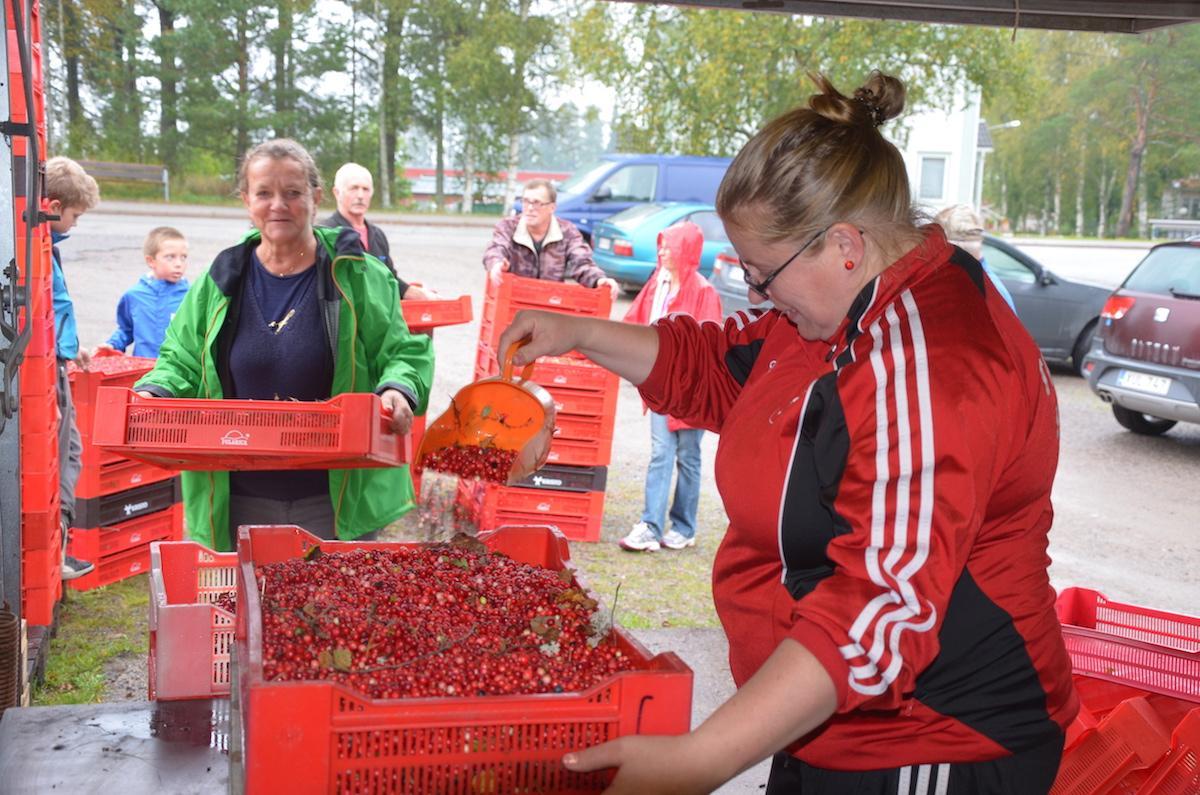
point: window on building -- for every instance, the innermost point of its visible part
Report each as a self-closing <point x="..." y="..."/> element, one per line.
<point x="933" y="177"/>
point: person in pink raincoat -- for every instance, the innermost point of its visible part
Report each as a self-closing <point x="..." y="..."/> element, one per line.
<point x="675" y="287"/>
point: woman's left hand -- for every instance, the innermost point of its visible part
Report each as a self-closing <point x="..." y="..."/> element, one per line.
<point x="666" y="765"/>
<point x="402" y="416"/>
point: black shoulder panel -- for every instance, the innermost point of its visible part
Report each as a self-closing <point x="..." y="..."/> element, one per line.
<point x="740" y="360"/>
<point x="971" y="265"/>
<point x="808" y="518"/>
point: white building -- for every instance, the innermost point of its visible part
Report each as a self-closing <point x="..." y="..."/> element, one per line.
<point x="944" y="152"/>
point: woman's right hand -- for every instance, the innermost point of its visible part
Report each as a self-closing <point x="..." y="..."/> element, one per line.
<point x="549" y="334"/>
<point x="143" y="393"/>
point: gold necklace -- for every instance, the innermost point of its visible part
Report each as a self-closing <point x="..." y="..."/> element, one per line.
<point x="304" y="258"/>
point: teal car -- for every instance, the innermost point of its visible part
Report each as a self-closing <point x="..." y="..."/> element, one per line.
<point x="625" y="245"/>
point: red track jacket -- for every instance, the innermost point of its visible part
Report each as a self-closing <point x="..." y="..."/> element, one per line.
<point x="889" y="501"/>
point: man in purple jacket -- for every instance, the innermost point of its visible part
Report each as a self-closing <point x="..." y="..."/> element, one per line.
<point x="537" y="245"/>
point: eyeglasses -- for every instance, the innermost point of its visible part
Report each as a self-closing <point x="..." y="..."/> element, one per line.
<point x="534" y="204"/>
<point x="761" y="287"/>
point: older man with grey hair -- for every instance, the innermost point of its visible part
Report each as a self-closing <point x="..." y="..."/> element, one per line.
<point x="353" y="188"/>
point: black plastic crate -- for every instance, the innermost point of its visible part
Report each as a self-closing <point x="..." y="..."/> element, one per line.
<point x="113" y="508"/>
<point x="567" y="478"/>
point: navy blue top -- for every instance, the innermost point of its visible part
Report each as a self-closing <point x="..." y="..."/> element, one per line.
<point x="280" y="351"/>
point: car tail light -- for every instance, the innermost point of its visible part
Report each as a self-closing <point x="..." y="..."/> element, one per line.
<point x="1117" y="307"/>
<point x="725" y="261"/>
<point x="622" y="248"/>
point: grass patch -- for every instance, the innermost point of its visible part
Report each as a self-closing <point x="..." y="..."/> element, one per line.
<point x="94" y="628"/>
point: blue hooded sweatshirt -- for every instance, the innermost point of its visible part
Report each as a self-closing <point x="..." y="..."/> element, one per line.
<point x="144" y="313"/>
<point x="66" y="338"/>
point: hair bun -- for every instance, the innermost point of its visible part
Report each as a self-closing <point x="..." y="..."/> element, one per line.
<point x="882" y="96"/>
<point x="876" y="112"/>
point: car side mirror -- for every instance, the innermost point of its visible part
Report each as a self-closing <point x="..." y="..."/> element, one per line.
<point x="602" y="194"/>
<point x="1047" y="279"/>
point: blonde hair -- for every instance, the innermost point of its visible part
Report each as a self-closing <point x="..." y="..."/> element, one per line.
<point x="823" y="163"/>
<point x="159" y="235"/>
<point x="280" y="149"/>
<point x="534" y="184"/>
<point x="67" y="182"/>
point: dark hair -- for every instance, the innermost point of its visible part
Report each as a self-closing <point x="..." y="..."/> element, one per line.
<point x="280" y="149"/>
<point x="823" y="163"/>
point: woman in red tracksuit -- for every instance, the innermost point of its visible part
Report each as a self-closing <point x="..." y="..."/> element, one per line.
<point x="675" y="287"/>
<point x="888" y="442"/>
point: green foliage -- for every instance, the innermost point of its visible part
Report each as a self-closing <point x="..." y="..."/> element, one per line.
<point x="1102" y="116"/>
<point x="701" y="82"/>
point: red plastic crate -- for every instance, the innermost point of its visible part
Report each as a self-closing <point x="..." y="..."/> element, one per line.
<point x="39" y="449"/>
<point x="1179" y="772"/>
<point x="105" y="479"/>
<point x="39" y="489"/>
<point x="583" y="402"/>
<point x="578" y="515"/>
<point x="561" y="372"/>
<point x="98" y="543"/>
<point x="41" y="529"/>
<point x="107" y="368"/>
<point x="124" y="565"/>
<point x="544" y="294"/>
<point x="94" y="458"/>
<point x="114" y="568"/>
<point x="37" y="604"/>
<point x="578" y="426"/>
<point x="190" y="637"/>
<point x="347" y="431"/>
<point x="423" y="316"/>
<point x="1117" y="754"/>
<point x="1150" y="649"/>
<point x="42" y="568"/>
<point x="448" y="746"/>
<point x="39" y="376"/>
<point x="580" y="452"/>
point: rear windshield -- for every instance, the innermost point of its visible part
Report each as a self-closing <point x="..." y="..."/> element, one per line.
<point x="627" y="219"/>
<point x="1173" y="270"/>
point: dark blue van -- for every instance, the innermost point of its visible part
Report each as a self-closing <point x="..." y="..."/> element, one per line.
<point x="616" y="182"/>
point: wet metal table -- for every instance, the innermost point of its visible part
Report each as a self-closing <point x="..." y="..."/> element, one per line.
<point x="129" y="748"/>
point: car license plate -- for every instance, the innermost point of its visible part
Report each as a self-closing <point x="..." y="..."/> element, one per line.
<point x="604" y="243"/>
<point x="1154" y="384"/>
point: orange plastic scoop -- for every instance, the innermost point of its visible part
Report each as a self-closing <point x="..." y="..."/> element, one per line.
<point x="492" y="420"/>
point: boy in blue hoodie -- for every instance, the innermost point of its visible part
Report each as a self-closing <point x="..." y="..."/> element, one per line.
<point x="146" y="309"/>
<point x="70" y="192"/>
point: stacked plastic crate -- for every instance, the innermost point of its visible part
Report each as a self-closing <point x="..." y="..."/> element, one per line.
<point x="569" y="491"/>
<point x="1137" y="673"/>
<point x="121" y="505"/>
<point x="41" y="533"/>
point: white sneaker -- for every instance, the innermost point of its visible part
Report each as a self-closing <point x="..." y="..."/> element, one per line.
<point x="640" y="539"/>
<point x="673" y="539"/>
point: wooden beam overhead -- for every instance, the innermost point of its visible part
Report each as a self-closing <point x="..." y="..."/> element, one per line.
<point x="1097" y="16"/>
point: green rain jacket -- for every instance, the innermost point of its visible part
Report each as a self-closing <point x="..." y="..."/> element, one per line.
<point x="372" y="351"/>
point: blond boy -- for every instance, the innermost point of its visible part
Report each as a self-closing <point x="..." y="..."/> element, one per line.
<point x="70" y="193"/>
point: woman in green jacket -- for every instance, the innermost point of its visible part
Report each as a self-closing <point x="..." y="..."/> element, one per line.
<point x="293" y="312"/>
